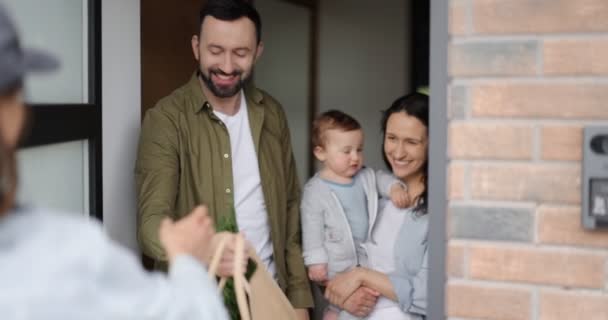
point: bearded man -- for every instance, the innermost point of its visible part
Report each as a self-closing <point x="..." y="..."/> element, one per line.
<point x="220" y="141"/>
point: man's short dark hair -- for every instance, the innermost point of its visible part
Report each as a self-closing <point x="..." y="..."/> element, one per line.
<point x="230" y="10"/>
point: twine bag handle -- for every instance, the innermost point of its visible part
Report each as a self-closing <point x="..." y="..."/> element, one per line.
<point x="241" y="286"/>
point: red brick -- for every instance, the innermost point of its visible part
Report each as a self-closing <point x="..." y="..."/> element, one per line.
<point x="483" y="302"/>
<point x="490" y="141"/>
<point x="540" y="100"/>
<point x="570" y="268"/>
<point x="526" y="182"/>
<point x="539" y="16"/>
<point x="456" y="181"/>
<point x="567" y="305"/>
<point x="575" y="57"/>
<point x="562" y="225"/>
<point x="458" y="17"/>
<point x="561" y="142"/>
<point x="456" y="260"/>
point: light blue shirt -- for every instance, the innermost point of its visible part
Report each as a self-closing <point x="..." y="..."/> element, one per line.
<point x="409" y="279"/>
<point x="55" y="266"/>
<point x="354" y="202"/>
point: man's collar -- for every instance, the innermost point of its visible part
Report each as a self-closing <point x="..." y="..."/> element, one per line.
<point x="200" y="101"/>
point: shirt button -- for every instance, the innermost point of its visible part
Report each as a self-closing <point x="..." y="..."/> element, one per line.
<point x="228" y="190"/>
<point x="226" y="155"/>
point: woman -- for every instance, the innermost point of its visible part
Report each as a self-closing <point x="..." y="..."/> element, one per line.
<point x="55" y="266"/>
<point x="398" y="248"/>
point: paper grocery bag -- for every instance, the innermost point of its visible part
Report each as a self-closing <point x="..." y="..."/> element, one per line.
<point x="260" y="298"/>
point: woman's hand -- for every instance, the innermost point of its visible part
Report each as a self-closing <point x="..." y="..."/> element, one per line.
<point x="361" y="302"/>
<point x="190" y="235"/>
<point x="343" y="286"/>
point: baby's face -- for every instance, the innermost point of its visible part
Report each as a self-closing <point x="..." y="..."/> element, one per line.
<point x="343" y="152"/>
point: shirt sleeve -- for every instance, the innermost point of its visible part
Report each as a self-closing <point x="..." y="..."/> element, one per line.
<point x="156" y="178"/>
<point x="126" y="291"/>
<point x="385" y="181"/>
<point x="411" y="290"/>
<point x="313" y="226"/>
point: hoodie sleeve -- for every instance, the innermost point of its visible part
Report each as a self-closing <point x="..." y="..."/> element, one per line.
<point x="385" y="181"/>
<point x="313" y="224"/>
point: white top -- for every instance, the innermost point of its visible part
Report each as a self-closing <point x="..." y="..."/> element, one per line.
<point x="64" y="267"/>
<point x="381" y="256"/>
<point x="249" y="204"/>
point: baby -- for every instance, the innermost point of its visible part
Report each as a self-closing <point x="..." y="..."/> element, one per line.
<point x="339" y="204"/>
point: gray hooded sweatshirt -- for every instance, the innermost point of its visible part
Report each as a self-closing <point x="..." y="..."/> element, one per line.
<point x="326" y="233"/>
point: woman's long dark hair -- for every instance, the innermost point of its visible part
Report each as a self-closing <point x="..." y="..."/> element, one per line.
<point x="415" y="105"/>
<point x="8" y="178"/>
<point x="8" y="167"/>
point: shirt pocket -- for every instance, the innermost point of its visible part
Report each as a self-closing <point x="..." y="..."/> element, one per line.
<point x="336" y="244"/>
<point x="333" y="234"/>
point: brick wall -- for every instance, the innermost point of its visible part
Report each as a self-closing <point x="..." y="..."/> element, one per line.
<point x="526" y="76"/>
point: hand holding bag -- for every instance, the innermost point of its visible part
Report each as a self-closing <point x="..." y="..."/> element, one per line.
<point x="266" y="300"/>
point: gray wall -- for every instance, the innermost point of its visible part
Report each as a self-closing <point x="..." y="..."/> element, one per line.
<point x="283" y="69"/>
<point x="121" y="116"/>
<point x="364" y="64"/>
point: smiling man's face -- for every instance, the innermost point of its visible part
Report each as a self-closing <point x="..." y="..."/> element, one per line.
<point x="226" y="52"/>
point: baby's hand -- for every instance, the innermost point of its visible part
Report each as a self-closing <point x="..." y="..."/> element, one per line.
<point x="318" y="272"/>
<point x="399" y="196"/>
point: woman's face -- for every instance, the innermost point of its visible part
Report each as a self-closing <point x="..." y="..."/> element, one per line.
<point x="12" y="118"/>
<point x="405" y="145"/>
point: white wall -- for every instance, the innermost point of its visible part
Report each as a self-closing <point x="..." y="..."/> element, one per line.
<point x="283" y="69"/>
<point x="121" y="108"/>
<point x="364" y="64"/>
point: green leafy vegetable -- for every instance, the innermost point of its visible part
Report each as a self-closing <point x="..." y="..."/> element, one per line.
<point x="228" y="223"/>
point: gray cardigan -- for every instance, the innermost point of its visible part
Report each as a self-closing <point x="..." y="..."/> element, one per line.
<point x="411" y="262"/>
<point x="326" y="234"/>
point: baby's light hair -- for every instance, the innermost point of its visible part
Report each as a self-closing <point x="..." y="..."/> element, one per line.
<point x="332" y="119"/>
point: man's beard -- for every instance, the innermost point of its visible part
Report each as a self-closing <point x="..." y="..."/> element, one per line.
<point x="224" y="92"/>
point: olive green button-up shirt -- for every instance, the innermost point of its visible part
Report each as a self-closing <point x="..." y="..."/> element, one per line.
<point x="184" y="160"/>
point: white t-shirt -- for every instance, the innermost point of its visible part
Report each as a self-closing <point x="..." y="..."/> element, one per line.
<point x="249" y="204"/>
<point x="381" y="257"/>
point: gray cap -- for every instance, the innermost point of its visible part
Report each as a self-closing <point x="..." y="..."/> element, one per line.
<point x="15" y="61"/>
